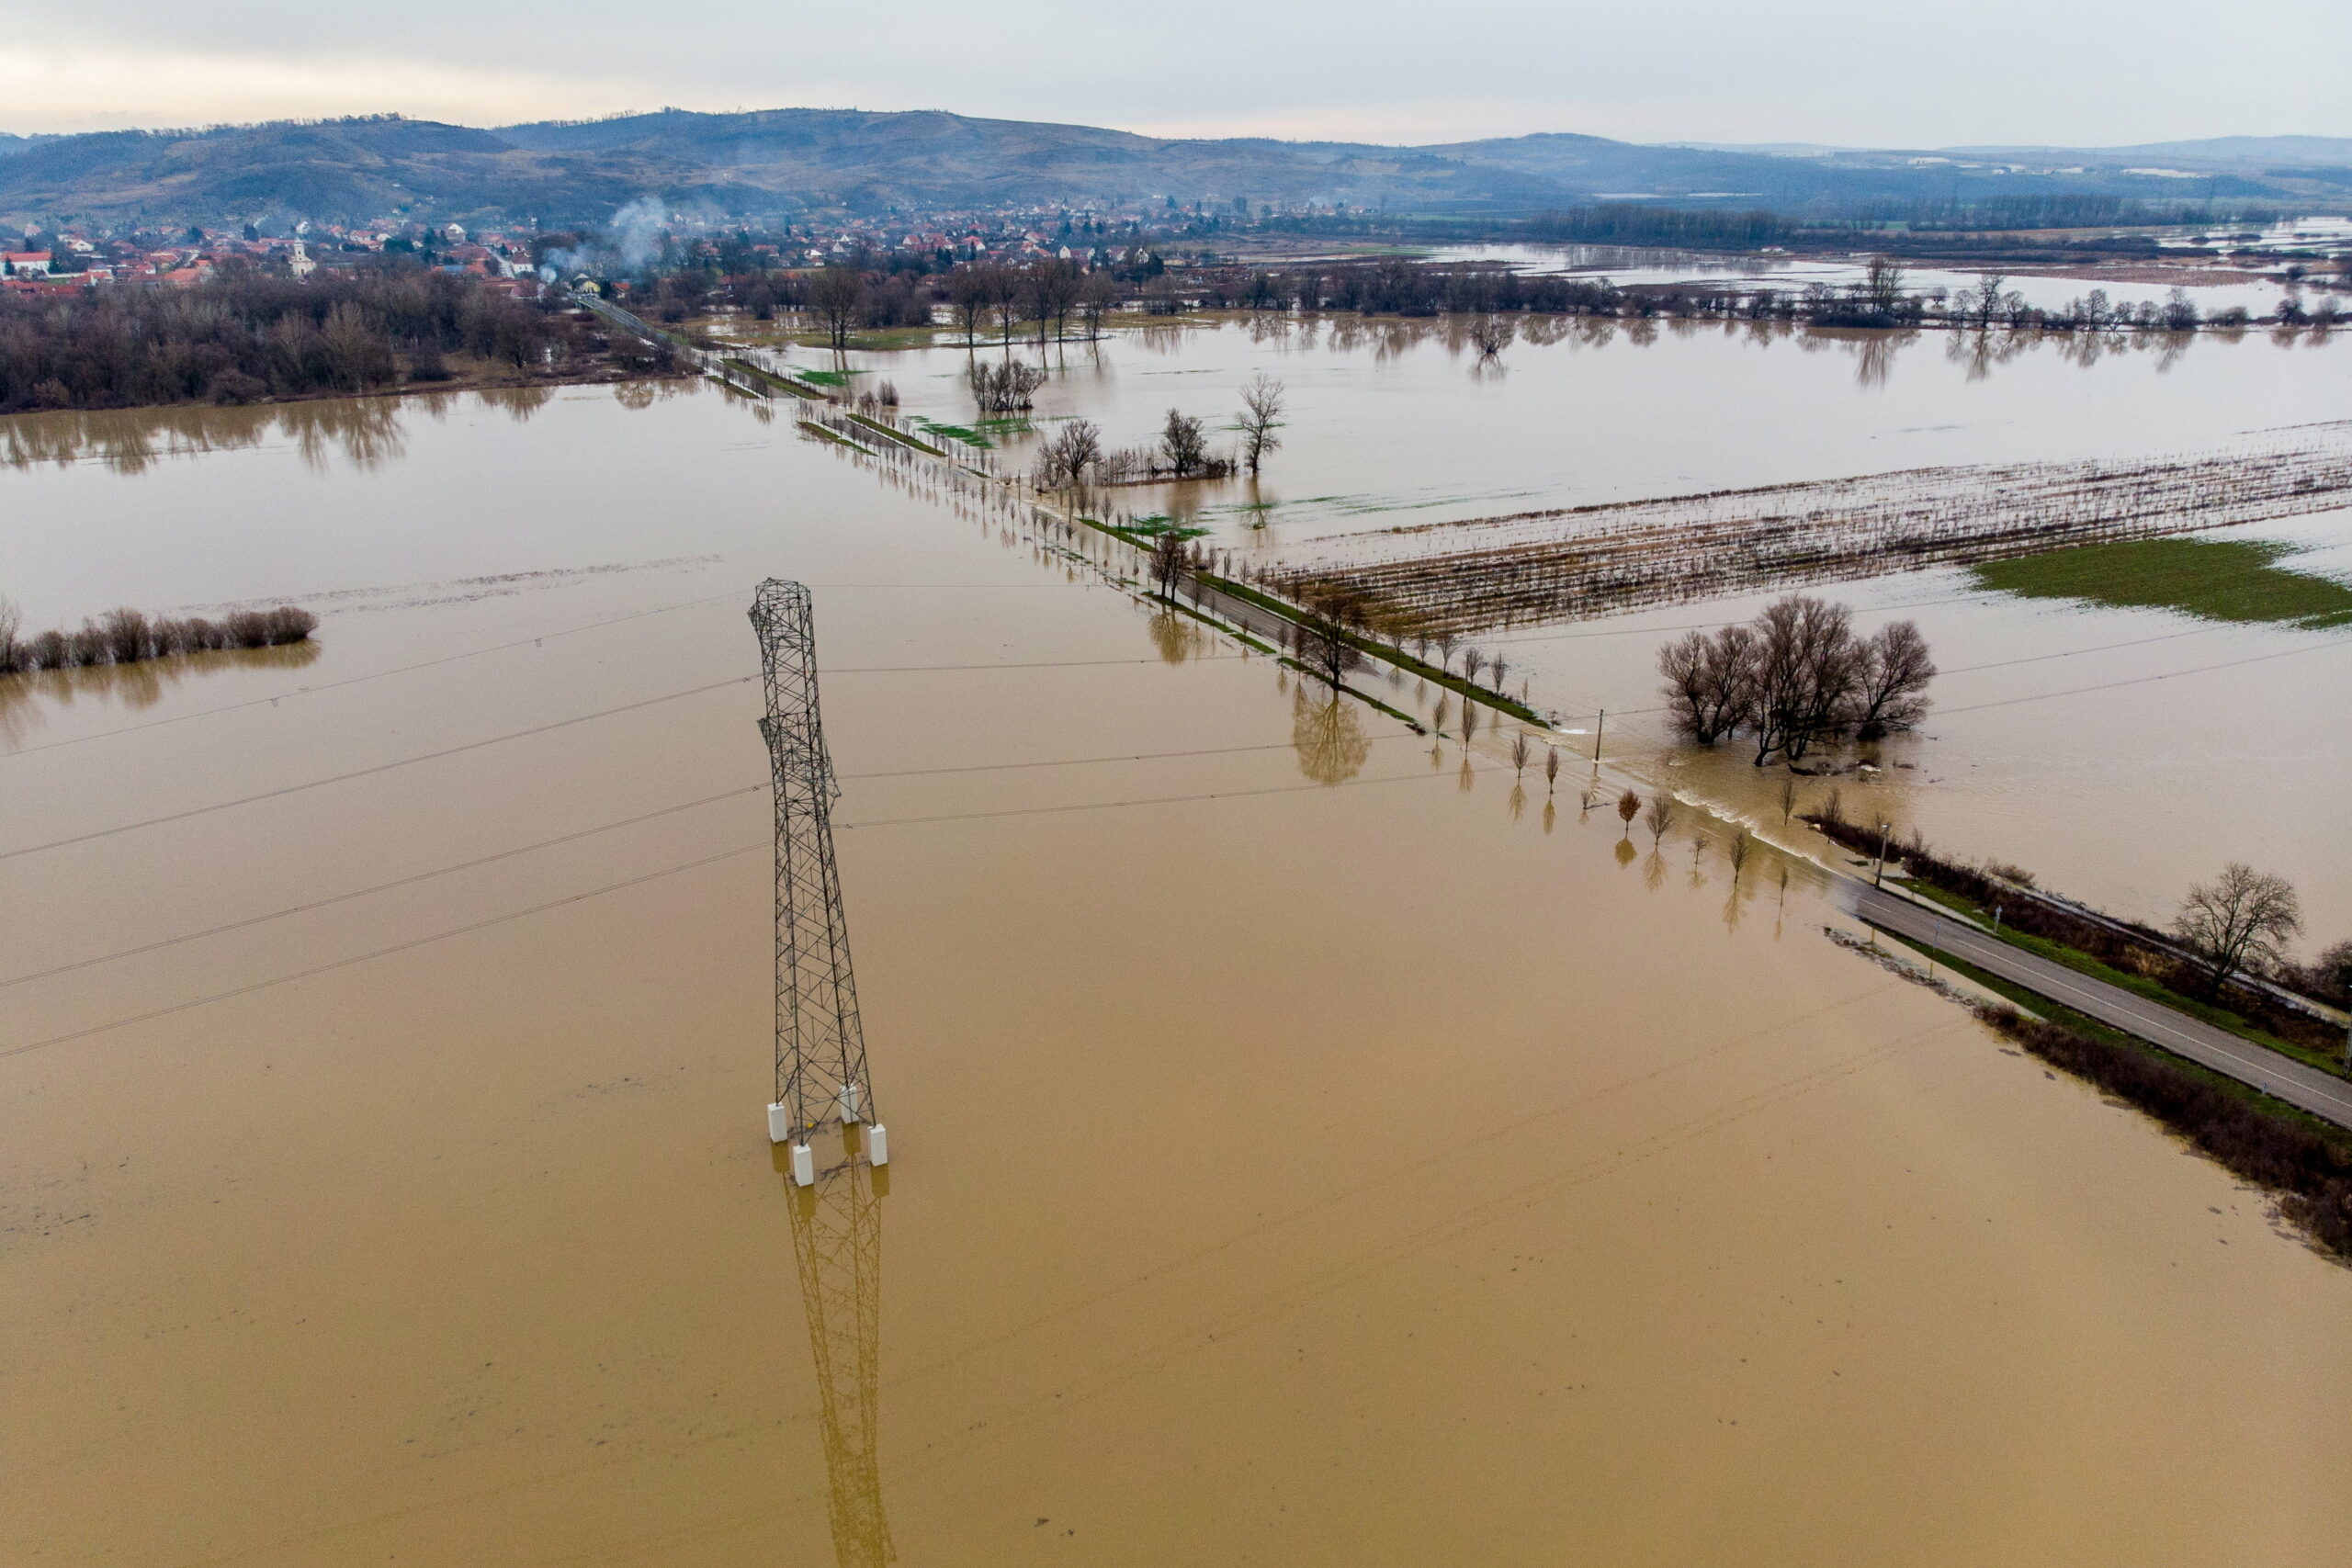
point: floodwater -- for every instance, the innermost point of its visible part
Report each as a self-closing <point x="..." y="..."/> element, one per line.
<point x="2123" y="755"/>
<point x="2048" y="289"/>
<point x="1306" y="1149"/>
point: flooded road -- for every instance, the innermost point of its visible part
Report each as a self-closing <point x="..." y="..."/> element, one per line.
<point x="1305" y="1148"/>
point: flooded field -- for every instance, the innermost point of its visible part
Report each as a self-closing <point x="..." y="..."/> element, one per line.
<point x="2044" y="288"/>
<point x="2122" y="754"/>
<point x="1307" y="1148"/>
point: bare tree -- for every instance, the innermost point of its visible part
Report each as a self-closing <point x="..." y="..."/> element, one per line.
<point x="1788" y="796"/>
<point x="1551" y="769"/>
<point x="1883" y="285"/>
<point x="969" y="291"/>
<point x="1522" y="750"/>
<point x="1007" y="291"/>
<point x="1892" y="671"/>
<point x="1492" y="334"/>
<point x="1096" y="295"/>
<point x="1169" y="558"/>
<point x="2335" y="968"/>
<point x="1322" y="642"/>
<point x="2240" y="920"/>
<point x="12" y="658"/>
<point x="1261" y="413"/>
<point x="838" y="295"/>
<point x="1063" y="461"/>
<point x="1740" y="844"/>
<point x="1629" y="805"/>
<point x="1807" y="665"/>
<point x="1184" y="444"/>
<point x="1008" y="388"/>
<point x="1659" y="817"/>
<point x="1709" y="682"/>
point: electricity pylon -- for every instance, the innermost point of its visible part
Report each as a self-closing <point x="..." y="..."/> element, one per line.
<point x="837" y="1241"/>
<point x="820" y="1046"/>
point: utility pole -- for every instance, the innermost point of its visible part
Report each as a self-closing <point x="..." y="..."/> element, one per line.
<point x="819" y="1044"/>
<point x="1878" y="872"/>
<point x="1598" y="726"/>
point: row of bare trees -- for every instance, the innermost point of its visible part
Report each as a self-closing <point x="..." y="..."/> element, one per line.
<point x="1047" y="292"/>
<point x="1797" y="676"/>
<point x="1074" y="455"/>
<point x="131" y="637"/>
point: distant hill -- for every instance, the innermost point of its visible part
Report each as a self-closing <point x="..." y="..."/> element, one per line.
<point x="790" y="161"/>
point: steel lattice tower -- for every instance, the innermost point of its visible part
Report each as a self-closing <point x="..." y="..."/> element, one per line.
<point x="820" y="1046"/>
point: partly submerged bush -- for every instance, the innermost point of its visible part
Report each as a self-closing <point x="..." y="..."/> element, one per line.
<point x="129" y="637"/>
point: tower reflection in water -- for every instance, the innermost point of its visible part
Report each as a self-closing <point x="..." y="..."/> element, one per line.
<point x="837" y="1243"/>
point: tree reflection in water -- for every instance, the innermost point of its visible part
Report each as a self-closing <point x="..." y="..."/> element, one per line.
<point x="1328" y="734"/>
<point x="136" y="686"/>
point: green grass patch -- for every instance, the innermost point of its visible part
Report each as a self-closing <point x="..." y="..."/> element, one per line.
<point x="962" y="433"/>
<point x="1160" y="525"/>
<point x="2218" y="579"/>
<point x="829" y="378"/>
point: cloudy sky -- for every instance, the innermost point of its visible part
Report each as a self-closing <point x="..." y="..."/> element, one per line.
<point x="2069" y="71"/>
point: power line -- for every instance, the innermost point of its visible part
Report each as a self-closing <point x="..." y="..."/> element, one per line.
<point x="357" y="680"/>
<point x="2144" y="680"/>
<point x="485" y="924"/>
<point x="559" y="724"/>
<point x="479" y="652"/>
<point x="413" y="879"/>
<point x="366" y="772"/>
<point x="410" y="881"/>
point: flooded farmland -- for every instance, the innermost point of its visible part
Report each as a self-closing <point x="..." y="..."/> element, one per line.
<point x="2062" y="730"/>
<point x="1308" y="1146"/>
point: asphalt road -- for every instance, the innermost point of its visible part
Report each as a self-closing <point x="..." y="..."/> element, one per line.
<point x="2317" y="1092"/>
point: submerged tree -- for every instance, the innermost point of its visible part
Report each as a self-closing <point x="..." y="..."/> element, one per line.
<point x="1184" y="443"/>
<point x="1659" y="817"/>
<point x="1629" y="805"/>
<point x="1795" y="677"/>
<point x="1261" y="410"/>
<point x="1063" y="461"/>
<point x="1895" y="669"/>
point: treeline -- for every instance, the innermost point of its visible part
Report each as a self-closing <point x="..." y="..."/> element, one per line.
<point x="248" y="337"/>
<point x="131" y="637"/>
<point x="1393" y="286"/>
<point x="1794" y="677"/>
<point x="1624" y="223"/>
<point x="1722" y="229"/>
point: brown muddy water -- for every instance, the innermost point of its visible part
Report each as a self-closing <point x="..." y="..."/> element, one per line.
<point x="1306" y="1149"/>
<point x="2121" y="754"/>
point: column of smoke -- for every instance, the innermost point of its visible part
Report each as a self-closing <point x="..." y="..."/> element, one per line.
<point x="630" y="243"/>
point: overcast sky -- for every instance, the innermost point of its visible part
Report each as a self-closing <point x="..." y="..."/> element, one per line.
<point x="2069" y="71"/>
